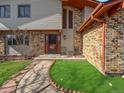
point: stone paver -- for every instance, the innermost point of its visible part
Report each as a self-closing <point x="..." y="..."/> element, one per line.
<point x="10" y="85"/>
<point x="57" y="56"/>
<point x="37" y="79"/>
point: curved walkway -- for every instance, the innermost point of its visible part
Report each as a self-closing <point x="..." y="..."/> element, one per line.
<point x="37" y="79"/>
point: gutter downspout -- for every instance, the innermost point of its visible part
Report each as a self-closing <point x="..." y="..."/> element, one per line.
<point x="104" y="25"/>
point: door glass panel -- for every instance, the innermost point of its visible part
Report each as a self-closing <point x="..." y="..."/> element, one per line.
<point x="52" y="40"/>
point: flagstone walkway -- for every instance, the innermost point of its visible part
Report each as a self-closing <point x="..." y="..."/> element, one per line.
<point x="37" y="79"/>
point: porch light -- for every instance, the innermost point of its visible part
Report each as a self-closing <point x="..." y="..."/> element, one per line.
<point x="103" y="1"/>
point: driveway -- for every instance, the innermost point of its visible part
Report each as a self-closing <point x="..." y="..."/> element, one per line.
<point x="37" y="79"/>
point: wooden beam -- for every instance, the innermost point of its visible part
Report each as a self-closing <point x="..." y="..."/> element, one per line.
<point x="91" y="3"/>
<point x="99" y="20"/>
<point x="89" y="19"/>
<point x="123" y="4"/>
<point x="98" y="11"/>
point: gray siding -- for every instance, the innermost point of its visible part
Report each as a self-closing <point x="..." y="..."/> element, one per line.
<point x="45" y="14"/>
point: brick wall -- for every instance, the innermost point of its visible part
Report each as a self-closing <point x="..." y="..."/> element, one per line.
<point x="36" y="44"/>
<point x="114" y="43"/>
<point x="78" y="17"/>
<point x="2" y="44"/>
<point x="92" y="45"/>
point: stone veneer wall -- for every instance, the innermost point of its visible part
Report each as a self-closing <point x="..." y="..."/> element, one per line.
<point x="2" y="44"/>
<point x="36" y="44"/>
<point x="92" y="45"/>
<point x="78" y="18"/>
<point x="114" y="43"/>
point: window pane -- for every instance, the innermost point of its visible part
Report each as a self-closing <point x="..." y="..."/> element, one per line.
<point x="11" y="39"/>
<point x="1" y="11"/>
<point x="7" y="12"/>
<point x="20" y="40"/>
<point x="14" y="39"/>
<point x="27" y="11"/>
<point x="64" y="18"/>
<point x="70" y="19"/>
<point x="24" y="11"/>
<point x="26" y="40"/>
<point x="21" y="11"/>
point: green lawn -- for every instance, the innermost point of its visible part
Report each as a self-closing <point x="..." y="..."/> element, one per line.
<point x="9" y="68"/>
<point x="83" y="77"/>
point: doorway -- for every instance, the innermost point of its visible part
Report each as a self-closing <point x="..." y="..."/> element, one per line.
<point x="52" y="44"/>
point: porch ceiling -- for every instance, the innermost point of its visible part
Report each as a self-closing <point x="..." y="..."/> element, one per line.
<point x="74" y="3"/>
<point x="80" y="3"/>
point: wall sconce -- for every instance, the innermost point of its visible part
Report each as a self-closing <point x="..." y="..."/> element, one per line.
<point x="64" y="37"/>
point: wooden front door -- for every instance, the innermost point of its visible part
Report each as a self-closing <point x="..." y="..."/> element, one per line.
<point x="52" y="44"/>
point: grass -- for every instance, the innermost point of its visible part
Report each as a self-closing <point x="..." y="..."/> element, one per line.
<point x="9" y="68"/>
<point x="83" y="77"/>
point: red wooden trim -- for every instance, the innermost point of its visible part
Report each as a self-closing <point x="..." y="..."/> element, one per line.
<point x="92" y="3"/>
<point x="90" y="17"/>
<point x="123" y="4"/>
<point x="98" y="11"/>
<point x="74" y="3"/>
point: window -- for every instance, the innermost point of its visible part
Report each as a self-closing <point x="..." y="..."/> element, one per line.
<point x="24" y="11"/>
<point x="67" y="19"/>
<point x="64" y="18"/>
<point x="26" y="40"/>
<point x="70" y="22"/>
<point x="11" y="39"/>
<point x="5" y="11"/>
<point x="17" y="40"/>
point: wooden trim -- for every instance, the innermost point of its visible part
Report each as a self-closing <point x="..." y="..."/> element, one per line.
<point x="58" y="43"/>
<point x="123" y="4"/>
<point x="74" y="3"/>
<point x="30" y="30"/>
<point x="56" y="31"/>
<point x="89" y="19"/>
<point x="92" y="3"/>
<point x="98" y="20"/>
<point x="98" y="11"/>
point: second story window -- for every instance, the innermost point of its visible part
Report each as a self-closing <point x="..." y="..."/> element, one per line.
<point x="64" y="18"/>
<point x="4" y="11"/>
<point x="70" y="19"/>
<point x="24" y="11"/>
<point x="67" y="19"/>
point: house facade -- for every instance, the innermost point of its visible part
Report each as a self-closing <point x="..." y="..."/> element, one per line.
<point x="38" y="27"/>
<point x="69" y="27"/>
